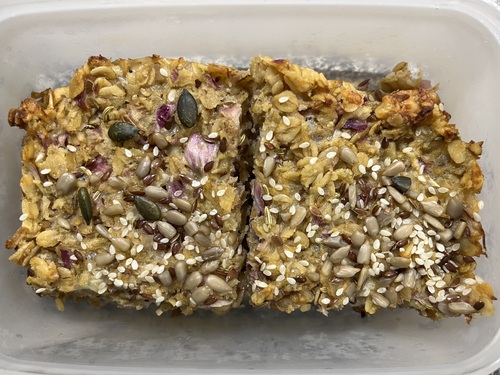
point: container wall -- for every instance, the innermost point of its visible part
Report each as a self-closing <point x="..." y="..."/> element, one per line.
<point x="41" y="46"/>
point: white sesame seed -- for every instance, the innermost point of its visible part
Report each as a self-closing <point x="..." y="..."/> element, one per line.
<point x="443" y="190"/>
<point x="280" y="278"/>
<point x="163" y="72"/>
<point x="274" y="210"/>
<point x="261" y="284"/>
<point x="376" y="168"/>
<point x="286" y="120"/>
<point x="476" y="216"/>
<point x="321" y="191"/>
<point x="313" y="160"/>
<point x="345" y="135"/>
<point x="453" y="194"/>
<point x="345" y="301"/>
<point x="71" y="148"/>
<point x="23" y="217"/>
<point x="282" y="269"/>
<point x="440" y="284"/>
<point x="291" y="281"/>
<point x="45" y="171"/>
<point x="297" y="196"/>
<point x="196" y="183"/>
<point x="40" y="290"/>
<point x="399" y="288"/>
<point x="221" y="192"/>
<point x="420" y="197"/>
<point x="339" y="292"/>
<point x="283" y="99"/>
<point x="431" y="190"/>
<point x="407" y="150"/>
<point x="325" y="301"/>
<point x="191" y="261"/>
<point x="265" y="197"/>
<point x="269" y="135"/>
<point x="331" y="154"/>
<point x="304" y="145"/>
<point x="183" y="139"/>
<point x="466" y="291"/>
<point x="288" y="254"/>
<point x="119" y="257"/>
<point x="156" y="151"/>
<point x="362" y="169"/>
<point x="128" y="153"/>
<point x="385" y="233"/>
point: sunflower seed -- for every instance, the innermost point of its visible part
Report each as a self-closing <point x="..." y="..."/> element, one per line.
<point x="159" y="140"/>
<point x="394" y="169"/>
<point x="187" y="109"/>
<point x="202" y="239"/>
<point x="63" y="223"/>
<point x="218" y="284"/>
<point x="175" y="217"/>
<point x="459" y="230"/>
<point x="379" y="300"/>
<point x="398" y="197"/>
<point x="113" y="210"/>
<point x="364" y="253"/>
<point x="358" y="238"/>
<point x="400" y="262"/>
<point x="431" y="220"/>
<point x="403" y="232"/>
<point x="201" y="294"/>
<point x="212" y="253"/>
<point x="116" y="183"/>
<point x="165" y="278"/>
<point x="298" y="217"/>
<point x="143" y="167"/>
<point x="334" y="242"/>
<point x="209" y="266"/>
<point x="120" y="244"/>
<point x="347" y="155"/>
<point x="353" y="195"/>
<point x="182" y="204"/>
<point x="193" y="280"/>
<point x="85" y="204"/>
<point x="409" y="278"/>
<point x="102" y="230"/>
<point x="191" y="228"/>
<point x="180" y="269"/>
<point x="147" y="208"/>
<point x="340" y="254"/>
<point x="66" y="183"/>
<point x="372" y="225"/>
<point x="445" y="235"/>
<point x="104" y="259"/>
<point x="167" y="230"/>
<point x="327" y="267"/>
<point x="461" y="308"/>
<point x="268" y="167"/>
<point x="155" y="192"/>
<point x="454" y="208"/>
<point x="122" y="131"/>
<point x="432" y="208"/>
<point x="345" y="271"/>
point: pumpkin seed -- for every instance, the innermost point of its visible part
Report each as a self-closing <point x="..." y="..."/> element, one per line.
<point x="187" y="109"/>
<point x="122" y="131"/>
<point x="85" y="204"/>
<point x="147" y="208"/>
<point x="401" y="183"/>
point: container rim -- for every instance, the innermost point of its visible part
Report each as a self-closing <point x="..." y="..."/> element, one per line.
<point x="485" y="11"/>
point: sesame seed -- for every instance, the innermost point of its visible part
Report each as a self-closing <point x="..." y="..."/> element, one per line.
<point x="282" y="269"/>
<point x="420" y="197"/>
<point x="283" y="99"/>
<point x="280" y="278"/>
<point x="183" y="139"/>
<point x="204" y="180"/>
<point x="453" y="194"/>
<point x="40" y="290"/>
<point x="345" y="135"/>
<point x="321" y="191"/>
<point x="274" y="210"/>
<point x="279" y="187"/>
<point x="431" y="190"/>
<point x="466" y="291"/>
<point x="269" y="135"/>
<point x="304" y="145"/>
<point x="345" y="301"/>
<point x="339" y="292"/>
<point x="331" y="154"/>
<point x="291" y="280"/>
<point x="476" y="216"/>
<point x="313" y="160"/>
<point x="265" y="197"/>
<point x="407" y="150"/>
<point x="267" y="273"/>
<point x="376" y="168"/>
<point x="385" y="233"/>
<point x="45" y="171"/>
<point x="286" y="120"/>
<point x="288" y="254"/>
<point x="171" y="95"/>
<point x="71" y="148"/>
<point x="119" y="257"/>
<point x="297" y="196"/>
<point x="261" y="284"/>
<point x="196" y="183"/>
<point x="163" y="72"/>
<point x="325" y="301"/>
<point x="128" y="153"/>
<point x="156" y="151"/>
<point x="23" y="217"/>
<point x="221" y="192"/>
<point x="440" y="284"/>
<point x="443" y="190"/>
<point x="362" y="169"/>
<point x="191" y="261"/>
<point x="375" y="175"/>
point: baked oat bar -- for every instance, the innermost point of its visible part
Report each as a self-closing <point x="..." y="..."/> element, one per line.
<point x="131" y="191"/>
<point x="362" y="199"/>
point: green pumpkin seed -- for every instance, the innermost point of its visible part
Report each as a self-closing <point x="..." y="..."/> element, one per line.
<point x="147" y="208"/>
<point x="85" y="204"/>
<point x="187" y="109"/>
<point x="401" y="183"/>
<point x="122" y="131"/>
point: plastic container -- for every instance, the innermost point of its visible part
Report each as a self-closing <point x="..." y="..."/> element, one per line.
<point x="456" y="42"/>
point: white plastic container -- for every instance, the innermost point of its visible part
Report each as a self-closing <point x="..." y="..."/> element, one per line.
<point x="456" y="42"/>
